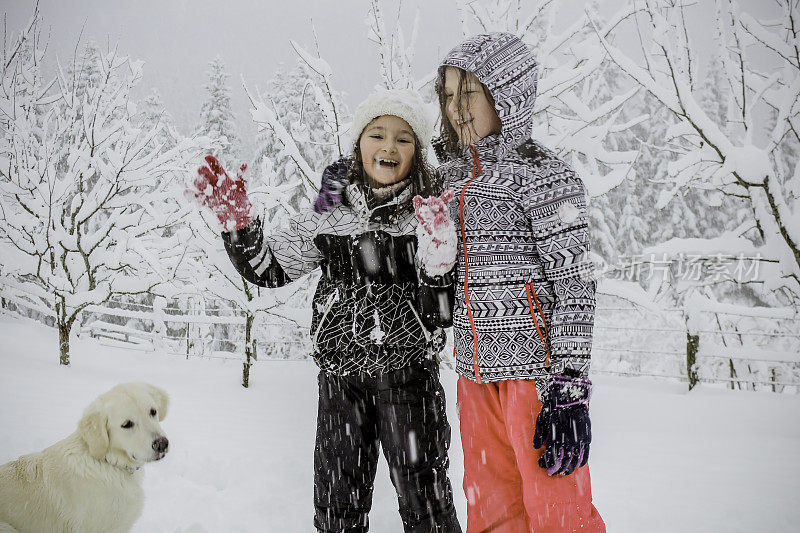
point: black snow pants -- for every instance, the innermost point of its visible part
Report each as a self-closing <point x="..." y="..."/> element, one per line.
<point x="402" y="411"/>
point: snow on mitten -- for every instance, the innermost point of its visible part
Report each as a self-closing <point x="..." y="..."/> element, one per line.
<point x="436" y="233"/>
<point x="334" y="180"/>
<point x="563" y="426"/>
<point x="226" y="197"/>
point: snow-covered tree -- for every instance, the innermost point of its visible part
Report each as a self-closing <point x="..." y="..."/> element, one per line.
<point x="297" y="138"/>
<point x="154" y="116"/>
<point x="631" y="229"/>
<point x="602" y="224"/>
<point x="209" y="279"/>
<point x="301" y="130"/>
<point x="217" y="121"/>
<point x="570" y="67"/>
<point x="77" y="203"/>
<point x="734" y="158"/>
<point x="310" y="113"/>
<point x="396" y="59"/>
<point x="299" y="133"/>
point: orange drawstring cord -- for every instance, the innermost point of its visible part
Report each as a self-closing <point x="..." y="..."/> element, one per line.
<point x="476" y="169"/>
<point x="541" y="312"/>
<point x="529" y="290"/>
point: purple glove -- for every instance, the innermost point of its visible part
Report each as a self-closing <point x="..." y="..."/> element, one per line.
<point x="334" y="180"/>
<point x="563" y="426"/>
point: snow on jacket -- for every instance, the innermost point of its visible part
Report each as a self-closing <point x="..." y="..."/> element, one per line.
<point x="525" y="299"/>
<point x="369" y="309"/>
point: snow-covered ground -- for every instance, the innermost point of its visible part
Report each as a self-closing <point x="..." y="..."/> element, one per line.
<point x="241" y="460"/>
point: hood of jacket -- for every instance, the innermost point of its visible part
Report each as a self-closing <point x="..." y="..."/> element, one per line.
<point x="507" y="67"/>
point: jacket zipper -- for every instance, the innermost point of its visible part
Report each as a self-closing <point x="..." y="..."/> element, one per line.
<point x="332" y="299"/>
<point x="476" y="169"/>
<point x="530" y="291"/>
<point x="419" y="320"/>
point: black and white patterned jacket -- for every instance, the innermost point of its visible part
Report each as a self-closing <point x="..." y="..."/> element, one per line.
<point x="370" y="312"/>
<point x="525" y="296"/>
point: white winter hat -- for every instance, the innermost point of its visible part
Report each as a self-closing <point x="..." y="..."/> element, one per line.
<point x="404" y="103"/>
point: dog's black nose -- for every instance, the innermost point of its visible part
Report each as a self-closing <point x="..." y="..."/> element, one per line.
<point x="161" y="444"/>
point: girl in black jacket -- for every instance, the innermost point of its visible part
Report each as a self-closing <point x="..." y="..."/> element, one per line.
<point x="377" y="317"/>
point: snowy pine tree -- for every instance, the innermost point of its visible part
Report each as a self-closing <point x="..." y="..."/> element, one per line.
<point x="631" y="229"/>
<point x="217" y="121"/>
<point x="291" y="94"/>
<point x="153" y="116"/>
<point x="602" y="228"/>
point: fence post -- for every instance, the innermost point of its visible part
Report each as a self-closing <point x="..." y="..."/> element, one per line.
<point x="249" y="349"/>
<point x="159" y="322"/>
<point x="692" y="346"/>
<point x="189" y="314"/>
<point x="725" y="344"/>
<point x="734" y="376"/>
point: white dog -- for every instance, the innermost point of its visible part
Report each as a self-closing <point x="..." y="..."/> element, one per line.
<point x="91" y="480"/>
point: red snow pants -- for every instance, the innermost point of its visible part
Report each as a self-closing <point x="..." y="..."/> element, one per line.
<point x="507" y="491"/>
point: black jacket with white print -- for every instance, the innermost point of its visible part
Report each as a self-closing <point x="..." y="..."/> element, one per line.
<point x="373" y="310"/>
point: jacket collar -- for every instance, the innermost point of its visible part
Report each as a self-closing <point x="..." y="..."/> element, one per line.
<point x="377" y="205"/>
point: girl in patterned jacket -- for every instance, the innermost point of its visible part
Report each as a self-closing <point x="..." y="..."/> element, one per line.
<point x="525" y="298"/>
<point x="376" y="323"/>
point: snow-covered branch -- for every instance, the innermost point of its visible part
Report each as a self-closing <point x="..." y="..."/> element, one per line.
<point x="708" y="149"/>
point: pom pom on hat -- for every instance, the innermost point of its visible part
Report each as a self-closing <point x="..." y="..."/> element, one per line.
<point x="404" y="103"/>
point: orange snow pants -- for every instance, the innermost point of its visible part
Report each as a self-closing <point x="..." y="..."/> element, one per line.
<point x="507" y="491"/>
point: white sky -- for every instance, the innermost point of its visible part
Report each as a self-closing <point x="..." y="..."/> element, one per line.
<point x="177" y="38"/>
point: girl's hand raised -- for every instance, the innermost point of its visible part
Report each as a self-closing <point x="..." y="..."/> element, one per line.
<point x="226" y="197"/>
<point x="334" y="180"/>
<point x="436" y="233"/>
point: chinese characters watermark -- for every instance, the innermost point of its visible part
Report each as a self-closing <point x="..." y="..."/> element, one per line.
<point x="741" y="268"/>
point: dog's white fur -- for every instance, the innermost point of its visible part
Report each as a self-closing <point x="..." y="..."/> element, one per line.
<point x="91" y="480"/>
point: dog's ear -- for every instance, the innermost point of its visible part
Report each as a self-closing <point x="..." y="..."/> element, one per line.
<point x="162" y="401"/>
<point x="92" y="428"/>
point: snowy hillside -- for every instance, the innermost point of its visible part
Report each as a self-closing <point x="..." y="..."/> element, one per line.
<point x="241" y="460"/>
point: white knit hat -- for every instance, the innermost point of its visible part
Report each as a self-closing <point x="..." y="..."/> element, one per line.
<point x="404" y="103"/>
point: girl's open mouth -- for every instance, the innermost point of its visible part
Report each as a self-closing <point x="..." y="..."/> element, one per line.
<point x="386" y="163"/>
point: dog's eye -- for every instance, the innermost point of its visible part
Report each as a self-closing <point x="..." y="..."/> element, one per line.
<point x="128" y="424"/>
<point x="153" y="412"/>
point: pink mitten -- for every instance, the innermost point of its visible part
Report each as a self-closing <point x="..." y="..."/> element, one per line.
<point x="225" y="196"/>
<point x="436" y="233"/>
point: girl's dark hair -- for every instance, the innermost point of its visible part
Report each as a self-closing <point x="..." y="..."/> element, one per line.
<point x="425" y="181"/>
<point x="447" y="134"/>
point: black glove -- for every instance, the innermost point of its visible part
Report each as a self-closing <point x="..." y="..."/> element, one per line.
<point x="334" y="180"/>
<point x="563" y="426"/>
<point x="436" y="298"/>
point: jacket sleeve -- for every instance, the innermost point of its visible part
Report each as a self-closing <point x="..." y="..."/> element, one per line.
<point x="274" y="260"/>
<point x="436" y="296"/>
<point x="556" y="207"/>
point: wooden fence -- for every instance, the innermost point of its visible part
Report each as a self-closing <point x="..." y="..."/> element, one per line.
<point x="748" y="349"/>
